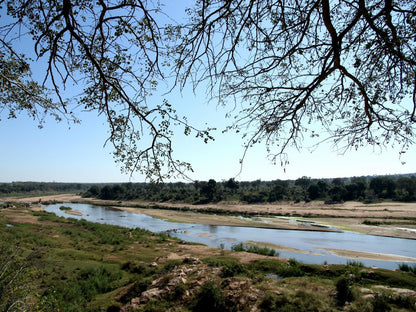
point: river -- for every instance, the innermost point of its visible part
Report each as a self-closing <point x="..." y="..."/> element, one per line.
<point x="314" y="244"/>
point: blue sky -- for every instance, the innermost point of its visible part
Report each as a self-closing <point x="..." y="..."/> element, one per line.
<point x="57" y="153"/>
<point x="76" y="154"/>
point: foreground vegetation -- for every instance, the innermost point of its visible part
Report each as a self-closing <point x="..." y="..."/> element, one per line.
<point x="54" y="264"/>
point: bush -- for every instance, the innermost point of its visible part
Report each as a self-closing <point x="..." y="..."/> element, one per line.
<point x="354" y="263"/>
<point x="156" y="306"/>
<point x="136" y="289"/>
<point x="407" y="268"/>
<point x="380" y="303"/>
<point x="369" y="222"/>
<point x="255" y="249"/>
<point x="97" y="280"/>
<point x="210" y="298"/>
<point x="233" y="269"/>
<point x="291" y="268"/>
<point x="344" y="292"/>
<point x="178" y="293"/>
<point x="301" y="302"/>
<point x="65" y="208"/>
<point x="269" y="303"/>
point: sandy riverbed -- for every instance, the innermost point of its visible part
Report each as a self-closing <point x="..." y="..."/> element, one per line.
<point x="396" y="219"/>
<point x="399" y="218"/>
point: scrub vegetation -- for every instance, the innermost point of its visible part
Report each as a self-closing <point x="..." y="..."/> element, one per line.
<point x="365" y="189"/>
<point x="49" y="263"/>
<point x="41" y="188"/>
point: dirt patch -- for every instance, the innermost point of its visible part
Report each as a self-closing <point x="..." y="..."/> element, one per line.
<point x="213" y="219"/>
<point x="368" y="255"/>
<point x="206" y="235"/>
<point x="18" y="216"/>
<point x="75" y="213"/>
<point x="201" y="251"/>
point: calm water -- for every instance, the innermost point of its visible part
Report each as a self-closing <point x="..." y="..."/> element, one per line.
<point x="226" y="236"/>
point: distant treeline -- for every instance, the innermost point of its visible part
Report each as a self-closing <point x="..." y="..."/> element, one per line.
<point x="366" y="189"/>
<point x="41" y="188"/>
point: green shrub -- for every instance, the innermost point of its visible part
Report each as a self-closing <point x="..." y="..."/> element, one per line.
<point x="233" y="269"/>
<point x="344" y="292"/>
<point x="170" y="265"/>
<point x="238" y="247"/>
<point x="210" y="298"/>
<point x="138" y="268"/>
<point x="301" y="302"/>
<point x="65" y="208"/>
<point x="269" y="303"/>
<point x="178" y="292"/>
<point x="255" y="249"/>
<point x="355" y="263"/>
<point x="136" y="289"/>
<point x="407" y="268"/>
<point x="380" y="303"/>
<point x="97" y="280"/>
<point x="291" y="268"/>
<point x="369" y="222"/>
<point x="405" y="302"/>
<point x="156" y="306"/>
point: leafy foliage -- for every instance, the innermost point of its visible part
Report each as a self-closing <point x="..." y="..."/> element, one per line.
<point x="255" y="249"/>
<point x="14" y="188"/>
<point x="331" y="70"/>
<point x="112" y="52"/>
<point x="344" y="292"/>
<point x="367" y="189"/>
<point x="347" y="67"/>
<point x="210" y="298"/>
<point x="407" y="268"/>
<point x="17" y="268"/>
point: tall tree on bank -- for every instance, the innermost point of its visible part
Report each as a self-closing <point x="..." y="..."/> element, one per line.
<point x="333" y="70"/>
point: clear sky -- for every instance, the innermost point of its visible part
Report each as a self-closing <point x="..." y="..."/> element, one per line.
<point x="76" y="154"/>
<point x="57" y="153"/>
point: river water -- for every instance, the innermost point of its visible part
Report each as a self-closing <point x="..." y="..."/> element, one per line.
<point x="227" y="236"/>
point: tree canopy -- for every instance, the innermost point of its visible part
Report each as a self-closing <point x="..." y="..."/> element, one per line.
<point x="334" y="70"/>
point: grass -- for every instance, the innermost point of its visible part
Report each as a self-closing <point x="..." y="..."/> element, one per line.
<point x="75" y="265"/>
<point x="255" y="249"/>
<point x="65" y="208"/>
<point x="82" y="260"/>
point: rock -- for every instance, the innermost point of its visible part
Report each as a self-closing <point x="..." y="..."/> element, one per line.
<point x="153" y="293"/>
<point x="368" y="296"/>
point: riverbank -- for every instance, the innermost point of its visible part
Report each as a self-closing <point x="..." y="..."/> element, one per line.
<point x="391" y="219"/>
<point x="88" y="266"/>
<point x="269" y="221"/>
